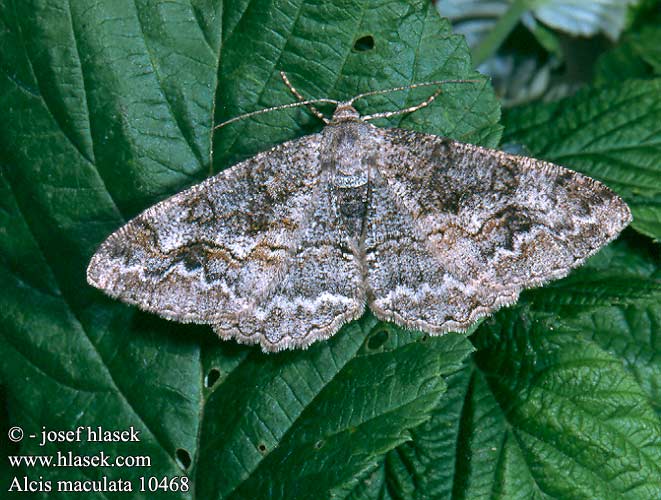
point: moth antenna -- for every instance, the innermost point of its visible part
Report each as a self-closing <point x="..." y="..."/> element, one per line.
<point x="302" y="99"/>
<point x="411" y="109"/>
<point x="276" y="108"/>
<point x="407" y="87"/>
<point x="309" y="102"/>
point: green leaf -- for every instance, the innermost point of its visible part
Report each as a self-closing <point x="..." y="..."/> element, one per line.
<point x="110" y="106"/>
<point x="411" y="45"/>
<point x="646" y="44"/>
<point x="638" y="56"/>
<point x="619" y="308"/>
<point x="631" y="255"/>
<point x="611" y="133"/>
<point x="540" y="412"/>
<point x="328" y="428"/>
<point x="620" y="63"/>
<point x="569" y="415"/>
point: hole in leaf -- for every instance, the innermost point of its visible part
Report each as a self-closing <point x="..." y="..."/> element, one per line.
<point x="319" y="444"/>
<point x="262" y="448"/>
<point x="377" y="339"/>
<point x="212" y="377"/>
<point x="183" y="458"/>
<point x="364" y="43"/>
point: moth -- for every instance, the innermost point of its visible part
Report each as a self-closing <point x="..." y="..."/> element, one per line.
<point x="284" y="248"/>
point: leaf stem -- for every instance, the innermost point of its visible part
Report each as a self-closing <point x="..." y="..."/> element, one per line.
<point x="494" y="39"/>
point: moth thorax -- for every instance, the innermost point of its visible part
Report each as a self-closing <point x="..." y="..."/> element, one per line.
<point x="345" y="112"/>
<point x="349" y="169"/>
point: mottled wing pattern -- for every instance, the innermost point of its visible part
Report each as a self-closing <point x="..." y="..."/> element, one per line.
<point x="322" y="289"/>
<point x="237" y="252"/>
<point x="406" y="282"/>
<point x="457" y="230"/>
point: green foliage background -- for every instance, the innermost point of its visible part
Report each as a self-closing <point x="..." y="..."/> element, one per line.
<point x="108" y="106"/>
